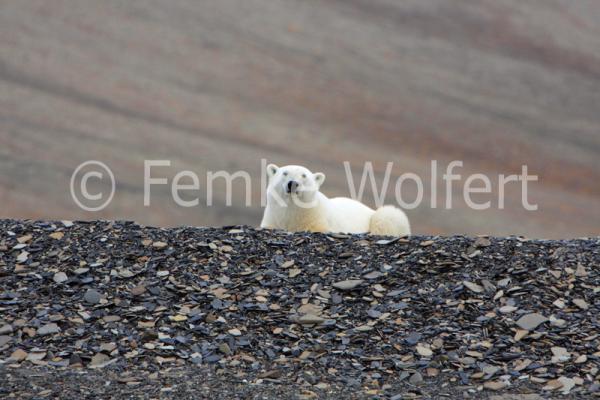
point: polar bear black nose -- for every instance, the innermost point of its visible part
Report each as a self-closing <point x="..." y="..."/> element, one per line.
<point x="292" y="186"/>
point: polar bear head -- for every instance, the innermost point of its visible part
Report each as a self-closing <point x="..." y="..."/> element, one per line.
<point x="293" y="185"/>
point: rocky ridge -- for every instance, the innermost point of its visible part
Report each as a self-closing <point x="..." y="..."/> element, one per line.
<point x="114" y="307"/>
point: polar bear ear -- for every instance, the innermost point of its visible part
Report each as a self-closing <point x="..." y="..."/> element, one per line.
<point x="272" y="170"/>
<point x="319" y="178"/>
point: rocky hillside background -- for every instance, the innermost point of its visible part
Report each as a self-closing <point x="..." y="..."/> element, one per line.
<point x="220" y="85"/>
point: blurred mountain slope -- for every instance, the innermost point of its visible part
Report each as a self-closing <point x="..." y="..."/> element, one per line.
<point x="220" y="85"/>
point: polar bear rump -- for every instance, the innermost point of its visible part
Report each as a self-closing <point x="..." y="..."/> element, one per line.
<point x="390" y="221"/>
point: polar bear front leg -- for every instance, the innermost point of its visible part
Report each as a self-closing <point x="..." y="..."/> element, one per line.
<point x="318" y="228"/>
<point x="316" y="224"/>
<point x="266" y="224"/>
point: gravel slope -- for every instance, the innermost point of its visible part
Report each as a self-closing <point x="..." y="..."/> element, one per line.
<point x="113" y="308"/>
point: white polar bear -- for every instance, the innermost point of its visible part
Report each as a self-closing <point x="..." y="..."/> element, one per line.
<point x="294" y="203"/>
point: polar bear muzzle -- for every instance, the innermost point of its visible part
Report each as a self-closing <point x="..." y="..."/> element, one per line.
<point x="292" y="186"/>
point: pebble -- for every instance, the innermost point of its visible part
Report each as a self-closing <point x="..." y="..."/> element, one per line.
<point x="294" y="272"/>
<point x="557" y="321"/>
<point x="495" y="385"/>
<point x="22" y="257"/>
<point x="552" y="384"/>
<point x="48" y="329"/>
<point x="111" y="318"/>
<point x="482" y="242"/>
<point x="60" y="277"/>
<point x="224" y="348"/>
<point x="581" y="359"/>
<point x="309" y="319"/>
<point x="4" y="329"/>
<point x="566" y="384"/>
<point x="138" y="290"/>
<point x="99" y="360"/>
<point x="559" y="304"/>
<point x="373" y="275"/>
<point x="108" y="347"/>
<point x="520" y="334"/>
<point x="125" y="273"/>
<point x="531" y="321"/>
<point x="424" y="351"/>
<point x="5" y="339"/>
<point x="581" y="303"/>
<point x="581" y="272"/>
<point x="416" y="378"/>
<point x="348" y="284"/>
<point x="57" y="235"/>
<point x="363" y="328"/>
<point x="385" y="242"/>
<point x="36" y="355"/>
<point x="490" y="370"/>
<point x="310" y="309"/>
<point x="81" y="271"/>
<point x="555" y="273"/>
<point x="559" y="354"/>
<point x="24" y="239"/>
<point x="18" y="355"/>
<point x="92" y="296"/>
<point x="413" y="338"/>
<point x="473" y="287"/>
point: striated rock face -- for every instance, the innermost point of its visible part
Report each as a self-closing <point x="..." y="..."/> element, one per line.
<point x="105" y="310"/>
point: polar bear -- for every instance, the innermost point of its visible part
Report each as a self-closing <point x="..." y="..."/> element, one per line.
<point x="295" y="203"/>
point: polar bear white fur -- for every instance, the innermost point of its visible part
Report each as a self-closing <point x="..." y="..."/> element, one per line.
<point x="294" y="203"/>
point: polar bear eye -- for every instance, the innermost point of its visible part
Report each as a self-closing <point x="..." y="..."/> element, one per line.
<point x="285" y="173"/>
<point x="304" y="176"/>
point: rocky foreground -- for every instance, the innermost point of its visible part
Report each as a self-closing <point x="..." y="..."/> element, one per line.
<point x="116" y="309"/>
